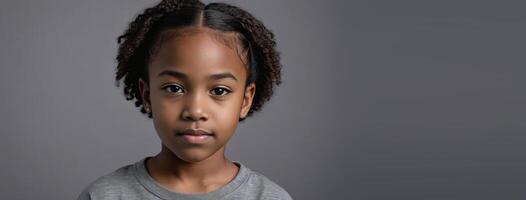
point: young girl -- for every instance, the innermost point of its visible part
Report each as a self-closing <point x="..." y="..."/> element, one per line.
<point x="196" y="70"/>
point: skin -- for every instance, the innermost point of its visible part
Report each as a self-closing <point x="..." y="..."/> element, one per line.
<point x="195" y="102"/>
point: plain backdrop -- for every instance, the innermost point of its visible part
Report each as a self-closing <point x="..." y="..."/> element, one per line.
<point x="380" y="99"/>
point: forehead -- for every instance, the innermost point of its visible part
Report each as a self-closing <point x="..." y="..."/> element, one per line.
<point x="200" y="51"/>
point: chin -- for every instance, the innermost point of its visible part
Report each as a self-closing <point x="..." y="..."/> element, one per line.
<point x="193" y="155"/>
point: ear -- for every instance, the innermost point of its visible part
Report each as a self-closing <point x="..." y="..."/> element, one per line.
<point x="250" y="90"/>
<point x="145" y="91"/>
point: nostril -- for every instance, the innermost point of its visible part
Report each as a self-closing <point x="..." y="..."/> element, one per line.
<point x="194" y="116"/>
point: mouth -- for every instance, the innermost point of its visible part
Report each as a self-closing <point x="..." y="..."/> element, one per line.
<point x="195" y="136"/>
<point x="195" y="132"/>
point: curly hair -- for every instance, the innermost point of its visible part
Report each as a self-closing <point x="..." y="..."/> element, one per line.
<point x="149" y="29"/>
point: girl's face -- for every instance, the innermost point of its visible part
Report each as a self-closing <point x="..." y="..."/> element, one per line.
<point x="196" y="82"/>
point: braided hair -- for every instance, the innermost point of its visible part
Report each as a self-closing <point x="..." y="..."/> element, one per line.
<point x="149" y="29"/>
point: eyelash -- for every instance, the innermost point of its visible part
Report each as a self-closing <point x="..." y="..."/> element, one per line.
<point x="226" y="91"/>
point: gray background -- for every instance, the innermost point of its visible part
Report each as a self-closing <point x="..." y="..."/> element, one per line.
<point x="380" y="99"/>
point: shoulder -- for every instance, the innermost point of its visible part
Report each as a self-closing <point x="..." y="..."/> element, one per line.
<point x="266" y="188"/>
<point x="111" y="185"/>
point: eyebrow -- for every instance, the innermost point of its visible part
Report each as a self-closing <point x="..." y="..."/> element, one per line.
<point x="183" y="76"/>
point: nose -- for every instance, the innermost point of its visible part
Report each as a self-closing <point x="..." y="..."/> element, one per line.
<point x="195" y="108"/>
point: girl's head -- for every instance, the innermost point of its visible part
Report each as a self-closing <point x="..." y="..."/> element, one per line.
<point x="196" y="66"/>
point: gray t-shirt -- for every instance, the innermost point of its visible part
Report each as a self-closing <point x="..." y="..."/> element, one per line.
<point x="134" y="182"/>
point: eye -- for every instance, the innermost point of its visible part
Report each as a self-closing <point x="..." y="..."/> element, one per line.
<point x="172" y="88"/>
<point x="219" y="91"/>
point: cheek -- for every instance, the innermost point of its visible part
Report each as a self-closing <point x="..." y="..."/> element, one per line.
<point x="166" y="111"/>
<point x="226" y="118"/>
<point x="229" y="109"/>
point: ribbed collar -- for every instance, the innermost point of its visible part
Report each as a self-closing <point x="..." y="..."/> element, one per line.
<point x="154" y="187"/>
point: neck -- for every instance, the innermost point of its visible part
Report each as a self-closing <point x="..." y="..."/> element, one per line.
<point x="169" y="169"/>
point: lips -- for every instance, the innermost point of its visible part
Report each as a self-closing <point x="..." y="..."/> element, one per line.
<point x="195" y="136"/>
<point x="195" y="132"/>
